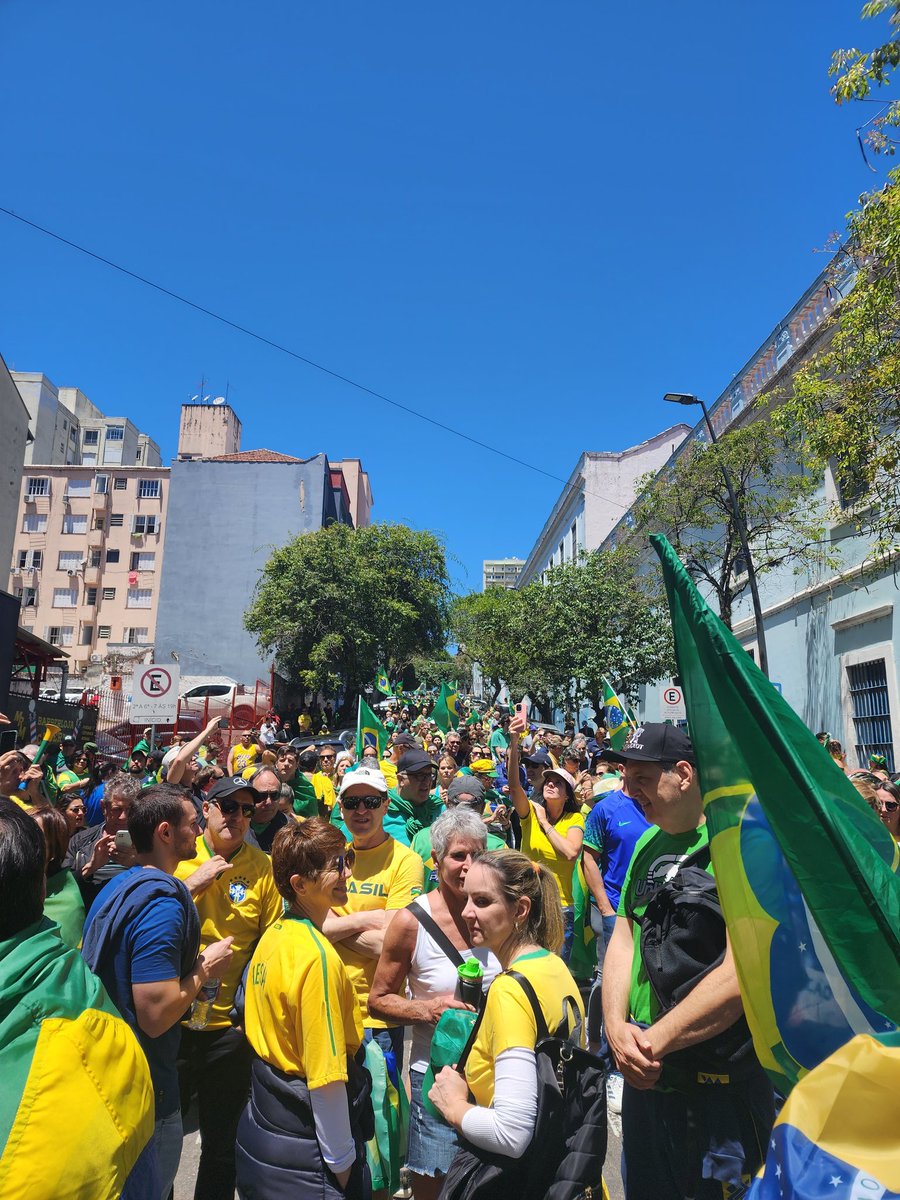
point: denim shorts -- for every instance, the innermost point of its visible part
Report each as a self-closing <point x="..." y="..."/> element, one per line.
<point x="432" y="1143"/>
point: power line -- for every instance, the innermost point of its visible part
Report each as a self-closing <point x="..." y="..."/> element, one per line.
<point x="208" y="312"/>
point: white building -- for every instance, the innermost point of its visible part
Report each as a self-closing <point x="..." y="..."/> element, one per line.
<point x="501" y="572"/>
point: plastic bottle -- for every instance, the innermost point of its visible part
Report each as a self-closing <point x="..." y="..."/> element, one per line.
<point x="471" y="977"/>
<point x="202" y="1006"/>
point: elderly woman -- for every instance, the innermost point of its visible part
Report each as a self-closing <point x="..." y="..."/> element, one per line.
<point x="303" y="1132"/>
<point x="423" y="947"/>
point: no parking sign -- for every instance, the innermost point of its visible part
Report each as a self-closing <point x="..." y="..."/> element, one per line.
<point x="672" y="706"/>
<point x="154" y="697"/>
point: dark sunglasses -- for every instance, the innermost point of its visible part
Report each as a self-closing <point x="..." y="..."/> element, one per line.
<point x="352" y="803"/>
<point x="229" y="807"/>
<point x="327" y="757"/>
<point x="267" y="795"/>
<point x="890" y="805"/>
<point x="347" y="859"/>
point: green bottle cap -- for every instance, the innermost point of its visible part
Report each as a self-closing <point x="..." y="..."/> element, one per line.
<point x="470" y="969"/>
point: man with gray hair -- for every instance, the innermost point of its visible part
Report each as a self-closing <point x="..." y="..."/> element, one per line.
<point x="464" y="793"/>
<point x="97" y="854"/>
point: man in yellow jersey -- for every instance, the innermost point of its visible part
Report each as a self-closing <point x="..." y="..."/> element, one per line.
<point x="244" y="753"/>
<point x="322" y="786"/>
<point x="386" y="877"/>
<point x="235" y="894"/>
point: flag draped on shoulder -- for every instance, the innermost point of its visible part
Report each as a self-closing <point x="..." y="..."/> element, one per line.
<point x="618" y="722"/>
<point x="383" y="684"/>
<point x="445" y="713"/>
<point x="369" y="731"/>
<point x="807" y="874"/>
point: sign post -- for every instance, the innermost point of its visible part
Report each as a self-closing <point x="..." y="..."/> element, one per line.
<point x="672" y="706"/>
<point x="154" y="698"/>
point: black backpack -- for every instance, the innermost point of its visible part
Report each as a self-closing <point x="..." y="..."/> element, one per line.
<point x="682" y="940"/>
<point x="564" y="1160"/>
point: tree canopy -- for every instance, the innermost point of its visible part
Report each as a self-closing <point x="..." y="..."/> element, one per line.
<point x="338" y="604"/>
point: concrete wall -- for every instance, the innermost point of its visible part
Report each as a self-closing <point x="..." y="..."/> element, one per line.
<point x="208" y="430"/>
<point x="51" y="421"/>
<point x="14" y="423"/>
<point x="225" y="519"/>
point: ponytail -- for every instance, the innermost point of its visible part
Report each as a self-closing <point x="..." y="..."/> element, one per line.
<point x="519" y="876"/>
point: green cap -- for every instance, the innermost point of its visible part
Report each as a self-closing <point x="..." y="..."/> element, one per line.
<point x="470" y="969"/>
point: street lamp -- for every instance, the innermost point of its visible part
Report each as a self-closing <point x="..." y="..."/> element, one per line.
<point x="689" y="400"/>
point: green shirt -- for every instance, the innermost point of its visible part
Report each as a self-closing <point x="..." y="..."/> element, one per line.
<point x="654" y="857"/>
<point x="499" y="741"/>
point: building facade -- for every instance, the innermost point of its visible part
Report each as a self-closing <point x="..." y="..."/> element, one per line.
<point x="14" y="419"/>
<point x="500" y="572"/>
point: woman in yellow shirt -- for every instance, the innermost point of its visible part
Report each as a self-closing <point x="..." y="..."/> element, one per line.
<point x="513" y="910"/>
<point x="552" y="826"/>
<point x="310" y="1112"/>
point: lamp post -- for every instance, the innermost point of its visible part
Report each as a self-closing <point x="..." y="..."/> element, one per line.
<point x="689" y="400"/>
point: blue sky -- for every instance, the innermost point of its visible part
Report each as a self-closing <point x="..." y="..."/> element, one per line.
<point x="527" y="220"/>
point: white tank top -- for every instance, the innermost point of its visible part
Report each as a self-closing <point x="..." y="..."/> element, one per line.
<point x="431" y="973"/>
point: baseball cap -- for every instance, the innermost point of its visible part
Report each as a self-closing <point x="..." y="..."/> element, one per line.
<point x="540" y="758"/>
<point x="483" y="766"/>
<point x="465" y="785"/>
<point x="363" y="774"/>
<point x="225" y="788"/>
<point x="414" y="760"/>
<point x="404" y="739"/>
<point x="69" y="737"/>
<point x="653" y="742"/>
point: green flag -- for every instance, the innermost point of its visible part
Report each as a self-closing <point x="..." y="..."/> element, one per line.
<point x="618" y="721"/>
<point x="383" y="684"/>
<point x="807" y="873"/>
<point x="445" y="713"/>
<point x="369" y="731"/>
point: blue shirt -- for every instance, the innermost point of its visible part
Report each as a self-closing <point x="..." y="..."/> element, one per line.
<point x="148" y="950"/>
<point x="93" y="808"/>
<point x="614" y="827"/>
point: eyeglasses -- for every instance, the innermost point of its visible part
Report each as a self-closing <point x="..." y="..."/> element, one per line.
<point x="229" y="807"/>
<point x="352" y="803"/>
<point x="347" y="859"/>
<point x="326" y="757"/>
<point x="267" y="795"/>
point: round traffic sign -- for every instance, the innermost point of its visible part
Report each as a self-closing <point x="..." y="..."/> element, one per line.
<point x="156" y="682"/>
<point x="672" y="695"/>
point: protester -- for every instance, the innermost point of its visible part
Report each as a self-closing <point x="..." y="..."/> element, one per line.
<point x="93" y="805"/>
<point x="242" y="754"/>
<point x="327" y="761"/>
<point x="513" y="910"/>
<point x="77" y="1109"/>
<point x="446" y="770"/>
<point x="890" y="808"/>
<point x="73" y="810"/>
<point x="417" y="958"/>
<point x="74" y="778"/>
<point x="97" y="855"/>
<point x="342" y="764"/>
<point x="62" y="903"/>
<point x="676" y="1119"/>
<point x="309" y="1115"/>
<point x="268" y="818"/>
<point x="412" y="801"/>
<point x="142" y="939"/>
<point x="453" y="746"/>
<point x="235" y="895"/>
<point x="465" y="791"/>
<point x="323" y="794"/>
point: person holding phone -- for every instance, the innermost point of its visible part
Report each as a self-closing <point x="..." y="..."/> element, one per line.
<point x="97" y="854"/>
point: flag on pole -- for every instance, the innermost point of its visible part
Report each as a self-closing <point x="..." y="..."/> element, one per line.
<point x="445" y="713"/>
<point x="618" y="722"/>
<point x="383" y="684"/>
<point x="369" y="731"/>
<point x="807" y="873"/>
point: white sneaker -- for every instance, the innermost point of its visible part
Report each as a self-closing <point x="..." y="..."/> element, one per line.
<point x="615" y="1085"/>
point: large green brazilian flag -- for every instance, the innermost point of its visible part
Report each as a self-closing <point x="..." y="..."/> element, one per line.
<point x="807" y="873"/>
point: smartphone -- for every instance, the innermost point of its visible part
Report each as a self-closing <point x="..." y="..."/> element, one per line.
<point x="223" y="723"/>
<point x="522" y="711"/>
<point x="7" y="740"/>
<point x="123" y="840"/>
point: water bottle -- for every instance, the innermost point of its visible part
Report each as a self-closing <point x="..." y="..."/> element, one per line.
<point x="202" y="1006"/>
<point x="470" y="975"/>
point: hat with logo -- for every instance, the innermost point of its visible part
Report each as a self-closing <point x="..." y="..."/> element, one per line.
<point x="363" y="775"/>
<point x="654" y="742"/>
<point x="414" y="760"/>
<point x="540" y="758"/>
<point x="225" y="789"/>
<point x="483" y="766"/>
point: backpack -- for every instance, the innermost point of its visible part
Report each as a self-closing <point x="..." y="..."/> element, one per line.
<point x="682" y="940"/>
<point x="564" y="1160"/>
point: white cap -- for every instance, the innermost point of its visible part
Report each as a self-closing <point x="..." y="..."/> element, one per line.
<point x="363" y="774"/>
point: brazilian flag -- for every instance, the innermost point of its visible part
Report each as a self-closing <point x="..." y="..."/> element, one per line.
<point x="383" y="684"/>
<point x="618" y="723"/>
<point x="369" y="731"/>
<point x="76" y="1103"/>
<point x="807" y="873"/>
<point x="445" y="713"/>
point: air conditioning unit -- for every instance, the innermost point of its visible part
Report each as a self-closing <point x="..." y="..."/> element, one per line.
<point x="96" y="658"/>
<point x="66" y="498"/>
<point x="70" y="573"/>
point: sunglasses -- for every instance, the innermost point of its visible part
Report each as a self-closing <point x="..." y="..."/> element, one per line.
<point x="347" y="859"/>
<point x="352" y="803"/>
<point x="267" y="795"/>
<point x="890" y="805"/>
<point x="229" y="807"/>
<point x="326" y="757"/>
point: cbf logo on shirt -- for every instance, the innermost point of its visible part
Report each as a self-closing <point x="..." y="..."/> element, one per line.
<point x="237" y="890"/>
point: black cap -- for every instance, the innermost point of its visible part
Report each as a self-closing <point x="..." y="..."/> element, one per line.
<point x="653" y="742"/>
<point x="414" y="760"/>
<point x="466" y="785"/>
<point x="225" y="788"/>
<point x="540" y="758"/>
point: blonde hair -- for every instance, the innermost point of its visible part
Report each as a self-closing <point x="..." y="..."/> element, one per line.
<point x="518" y="876"/>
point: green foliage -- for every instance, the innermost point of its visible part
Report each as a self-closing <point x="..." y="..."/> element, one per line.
<point x="585" y="620"/>
<point x="858" y="71"/>
<point x="689" y="503"/>
<point x="336" y="605"/>
<point x="446" y="668"/>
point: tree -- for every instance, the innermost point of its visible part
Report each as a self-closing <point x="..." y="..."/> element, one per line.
<point x="689" y="503"/>
<point x="337" y="604"/>
<point x="858" y="71"/>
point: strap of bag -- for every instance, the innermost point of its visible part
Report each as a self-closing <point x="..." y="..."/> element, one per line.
<point x="701" y="857"/>
<point x="431" y="927"/>
<point x="524" y="984"/>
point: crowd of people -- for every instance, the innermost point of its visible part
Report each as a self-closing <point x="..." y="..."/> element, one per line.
<point x="271" y="927"/>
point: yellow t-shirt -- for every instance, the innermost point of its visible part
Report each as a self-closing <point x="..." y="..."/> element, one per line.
<point x="508" y="1021"/>
<point x="243" y="757"/>
<point x="389" y="771"/>
<point x="301" y="1014"/>
<point x="324" y="789"/>
<point x="536" y="845"/>
<point x="304" y="722"/>
<point x="387" y="877"/>
<point x="242" y="903"/>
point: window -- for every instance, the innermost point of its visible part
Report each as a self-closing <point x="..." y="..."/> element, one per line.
<point x="59" y="635"/>
<point x="115" y="433"/>
<point x="104" y="631"/>
<point x="148" y="489"/>
<point x="30" y="560"/>
<point x="136" y="637"/>
<point x="72" y="434"/>
<point x="101" y="484"/>
<point x="88" y="458"/>
<point x="139" y="598"/>
<point x="144" y="524"/>
<point x="34" y="523"/>
<point x="99" y="522"/>
<point x="69" y="560"/>
<point x="871" y="711"/>
<point x="94" y="559"/>
<point x="120" y="483"/>
<point x="141" y="560"/>
<point x="91" y="437"/>
<point x="27" y="596"/>
<point x="78" y="487"/>
<point x="37" y="486"/>
<point x="65" y="597"/>
<point x="74" y="523"/>
<point x="116" y="519"/>
<point x="109" y="593"/>
<point x="112" y="556"/>
<point x="87" y="635"/>
<point x="90" y="595"/>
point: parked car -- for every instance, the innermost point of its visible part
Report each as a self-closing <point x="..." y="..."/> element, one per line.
<point x="208" y="700"/>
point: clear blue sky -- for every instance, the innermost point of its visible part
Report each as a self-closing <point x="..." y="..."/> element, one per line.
<point x="528" y="220"/>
